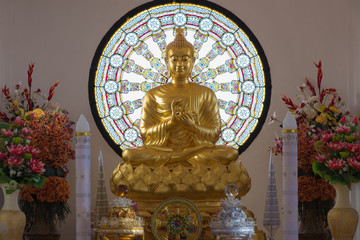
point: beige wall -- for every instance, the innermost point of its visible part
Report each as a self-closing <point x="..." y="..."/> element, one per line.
<point x="61" y="38"/>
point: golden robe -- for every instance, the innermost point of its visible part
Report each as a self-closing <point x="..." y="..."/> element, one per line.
<point x="166" y="144"/>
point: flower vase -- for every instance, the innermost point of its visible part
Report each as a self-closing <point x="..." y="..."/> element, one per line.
<point x="312" y="224"/>
<point x="342" y="219"/>
<point x="12" y="219"/>
<point x="43" y="226"/>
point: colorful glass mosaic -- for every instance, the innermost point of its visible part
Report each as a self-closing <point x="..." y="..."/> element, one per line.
<point x="130" y="61"/>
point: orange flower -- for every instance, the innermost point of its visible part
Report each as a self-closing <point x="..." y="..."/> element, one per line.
<point x="52" y="134"/>
<point x="307" y="189"/>
<point x="56" y="189"/>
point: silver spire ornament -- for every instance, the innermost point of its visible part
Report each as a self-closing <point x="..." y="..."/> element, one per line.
<point x="271" y="215"/>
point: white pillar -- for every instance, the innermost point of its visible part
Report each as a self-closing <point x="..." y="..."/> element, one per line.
<point x="83" y="183"/>
<point x="290" y="185"/>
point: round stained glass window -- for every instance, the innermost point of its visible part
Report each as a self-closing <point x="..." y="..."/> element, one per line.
<point x="130" y="61"/>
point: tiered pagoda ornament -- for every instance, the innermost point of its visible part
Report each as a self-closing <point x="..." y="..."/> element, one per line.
<point x="232" y="222"/>
<point x="122" y="221"/>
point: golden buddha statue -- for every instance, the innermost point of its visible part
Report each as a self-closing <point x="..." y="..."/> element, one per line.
<point x="180" y="124"/>
<point x="180" y="121"/>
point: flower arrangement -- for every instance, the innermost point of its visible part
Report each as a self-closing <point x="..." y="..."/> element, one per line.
<point x="317" y="112"/>
<point x="24" y="101"/>
<point x="19" y="163"/>
<point x="51" y="134"/>
<point x="338" y="160"/>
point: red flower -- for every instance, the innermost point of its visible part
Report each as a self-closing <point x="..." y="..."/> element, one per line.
<point x="36" y="166"/>
<point x="354" y="163"/>
<point x="321" y="158"/>
<point x="6" y="92"/>
<point x="343" y="129"/>
<point x="7" y="133"/>
<point x="352" y="147"/>
<point x="52" y="90"/>
<point x="355" y="120"/>
<point x="335" y="164"/>
<point x="327" y="137"/>
<point x="334" y="146"/>
<point x="2" y="155"/>
<point x="343" y="119"/>
<point x="26" y="131"/>
<point x="16" y="150"/>
<point x="18" y="120"/>
<point x="34" y="152"/>
<point x="14" y="161"/>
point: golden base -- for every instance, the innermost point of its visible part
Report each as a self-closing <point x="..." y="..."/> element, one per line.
<point x="208" y="209"/>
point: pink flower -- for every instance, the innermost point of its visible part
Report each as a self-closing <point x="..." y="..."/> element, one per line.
<point x="352" y="147"/>
<point x="335" y="164"/>
<point x="334" y="146"/>
<point x="321" y="158"/>
<point x="18" y="120"/>
<point x="14" y="161"/>
<point x="16" y="150"/>
<point x="327" y="137"/>
<point x="32" y="150"/>
<point x="353" y="163"/>
<point x="343" y="119"/>
<point x="343" y="129"/>
<point x="7" y="133"/>
<point x="26" y="131"/>
<point x="355" y="120"/>
<point x="36" y="166"/>
<point x="2" y="155"/>
<point x="356" y="135"/>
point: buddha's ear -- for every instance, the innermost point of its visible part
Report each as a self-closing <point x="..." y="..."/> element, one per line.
<point x="167" y="67"/>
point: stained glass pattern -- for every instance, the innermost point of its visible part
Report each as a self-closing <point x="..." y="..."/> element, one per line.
<point x="131" y="62"/>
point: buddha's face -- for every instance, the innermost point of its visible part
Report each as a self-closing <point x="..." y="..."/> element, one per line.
<point x="180" y="62"/>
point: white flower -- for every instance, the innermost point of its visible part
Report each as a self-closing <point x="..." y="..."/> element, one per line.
<point x="12" y="172"/>
<point x="19" y="174"/>
<point x="313" y="99"/>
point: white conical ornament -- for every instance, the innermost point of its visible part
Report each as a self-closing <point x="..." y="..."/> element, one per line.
<point x="83" y="181"/>
<point x="290" y="185"/>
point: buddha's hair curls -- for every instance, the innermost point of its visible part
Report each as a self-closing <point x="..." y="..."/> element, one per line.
<point x="179" y="42"/>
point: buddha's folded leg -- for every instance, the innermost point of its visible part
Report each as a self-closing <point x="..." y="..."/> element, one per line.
<point x="148" y="156"/>
<point x="220" y="154"/>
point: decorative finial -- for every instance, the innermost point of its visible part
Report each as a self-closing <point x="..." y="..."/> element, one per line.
<point x="82" y="125"/>
<point x="289" y="122"/>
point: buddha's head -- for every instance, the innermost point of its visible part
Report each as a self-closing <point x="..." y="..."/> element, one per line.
<point x="179" y="56"/>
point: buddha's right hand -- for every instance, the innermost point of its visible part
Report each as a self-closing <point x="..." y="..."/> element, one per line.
<point x="177" y="109"/>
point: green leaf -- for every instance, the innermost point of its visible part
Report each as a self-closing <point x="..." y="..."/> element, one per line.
<point x="349" y="139"/>
<point x="37" y="181"/>
<point x="344" y="155"/>
<point x="16" y="140"/>
<point x="3" y="177"/>
<point x="4" y="125"/>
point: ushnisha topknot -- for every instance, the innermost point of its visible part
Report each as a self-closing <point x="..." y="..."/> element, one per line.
<point x="180" y="42"/>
